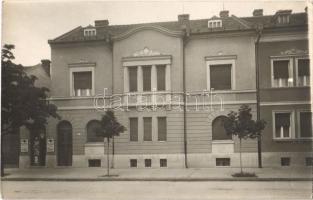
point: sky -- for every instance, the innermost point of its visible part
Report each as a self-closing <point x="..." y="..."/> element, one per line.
<point x="30" y="24"/>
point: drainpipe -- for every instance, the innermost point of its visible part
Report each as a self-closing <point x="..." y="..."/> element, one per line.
<point x="185" y="40"/>
<point x="258" y="29"/>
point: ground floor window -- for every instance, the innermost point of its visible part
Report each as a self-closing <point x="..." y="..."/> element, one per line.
<point x="305" y="124"/>
<point x="282" y="124"/>
<point x="222" y="161"/>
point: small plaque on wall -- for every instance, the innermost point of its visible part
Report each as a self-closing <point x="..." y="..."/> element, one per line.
<point x="24" y="145"/>
<point x="50" y="145"/>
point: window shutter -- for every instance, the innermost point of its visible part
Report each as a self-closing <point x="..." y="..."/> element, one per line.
<point x="306" y="124"/>
<point x="220" y="77"/>
<point x="147" y="128"/>
<point x="303" y="67"/>
<point x="133" y="123"/>
<point x="146" y="70"/>
<point x="132" y="79"/>
<point x="281" y="69"/>
<point x="161" y="77"/>
<point x="82" y="80"/>
<point x="282" y="119"/>
<point x="162" y="129"/>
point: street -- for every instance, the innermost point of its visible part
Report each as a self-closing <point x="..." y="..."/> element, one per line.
<point x="120" y="190"/>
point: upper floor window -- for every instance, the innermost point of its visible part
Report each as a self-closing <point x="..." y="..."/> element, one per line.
<point x="303" y="72"/>
<point x="217" y="23"/>
<point x="282" y="73"/>
<point x="90" y="32"/>
<point x="305" y="119"/>
<point x="82" y="81"/>
<point x="132" y="73"/>
<point x="283" y="19"/>
<point x="220" y="74"/>
<point x="283" y="125"/>
<point x="161" y="77"/>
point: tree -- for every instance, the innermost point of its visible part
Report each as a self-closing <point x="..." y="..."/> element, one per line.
<point x="23" y="104"/>
<point x="110" y="127"/>
<point x="242" y="125"/>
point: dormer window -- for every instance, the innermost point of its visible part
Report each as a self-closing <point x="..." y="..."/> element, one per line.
<point x="217" y="23"/>
<point x="283" y="19"/>
<point x="90" y="32"/>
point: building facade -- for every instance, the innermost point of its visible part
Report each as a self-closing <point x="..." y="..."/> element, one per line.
<point x="171" y="84"/>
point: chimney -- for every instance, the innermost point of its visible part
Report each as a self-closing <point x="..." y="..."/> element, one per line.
<point x="45" y="63"/>
<point x="224" y="14"/>
<point x="306" y="9"/>
<point x="258" y="12"/>
<point x="184" y="22"/>
<point x="101" y="23"/>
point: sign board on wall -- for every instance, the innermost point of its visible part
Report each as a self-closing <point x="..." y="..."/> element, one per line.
<point x="24" y="145"/>
<point x="50" y="145"/>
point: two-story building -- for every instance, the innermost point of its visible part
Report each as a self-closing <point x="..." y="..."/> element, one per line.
<point x="171" y="84"/>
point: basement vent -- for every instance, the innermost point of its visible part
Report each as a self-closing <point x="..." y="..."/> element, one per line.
<point x="94" y="163"/>
<point x="222" y="162"/>
<point x="285" y="161"/>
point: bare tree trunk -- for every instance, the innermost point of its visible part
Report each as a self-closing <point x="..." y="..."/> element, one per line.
<point x="2" y="158"/>
<point x="108" y="158"/>
<point x="240" y="156"/>
<point x="112" y="165"/>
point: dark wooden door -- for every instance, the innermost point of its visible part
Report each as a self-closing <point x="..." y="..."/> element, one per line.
<point x="64" y="151"/>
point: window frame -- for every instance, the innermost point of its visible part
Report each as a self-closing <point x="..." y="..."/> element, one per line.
<point x="298" y="122"/>
<point x="89" y="32"/>
<point x="232" y="62"/>
<point x="138" y="124"/>
<point x="291" y="128"/>
<point x="296" y="69"/>
<point x="290" y="70"/>
<point x="82" y="69"/>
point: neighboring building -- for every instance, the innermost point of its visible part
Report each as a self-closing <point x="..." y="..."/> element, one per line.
<point x="11" y="144"/>
<point x="145" y="70"/>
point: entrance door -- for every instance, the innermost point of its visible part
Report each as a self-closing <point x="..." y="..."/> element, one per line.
<point x="65" y="151"/>
<point x="38" y="146"/>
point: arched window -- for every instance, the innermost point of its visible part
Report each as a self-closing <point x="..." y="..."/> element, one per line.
<point x="218" y="131"/>
<point x="92" y="128"/>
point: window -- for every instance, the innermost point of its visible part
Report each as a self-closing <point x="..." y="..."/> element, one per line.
<point x="283" y="19"/>
<point x="82" y="83"/>
<point x="282" y="125"/>
<point x="160" y="77"/>
<point x="90" y="32"/>
<point x="218" y="130"/>
<point x="93" y="128"/>
<point x="285" y="161"/>
<point x="306" y="125"/>
<point x="163" y="162"/>
<point x="147" y="129"/>
<point x="282" y="73"/>
<point x="220" y="76"/>
<point x="94" y="163"/>
<point x="132" y="79"/>
<point x="303" y="71"/>
<point x="146" y="75"/>
<point x="162" y="129"/>
<point x="309" y="161"/>
<point x="133" y="129"/>
<point x="148" y="162"/>
<point x="133" y="162"/>
<point x="222" y="161"/>
<point x="215" y="23"/>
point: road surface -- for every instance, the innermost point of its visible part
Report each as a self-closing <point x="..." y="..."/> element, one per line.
<point x="156" y="190"/>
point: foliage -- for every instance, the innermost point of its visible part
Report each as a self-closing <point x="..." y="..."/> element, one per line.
<point x="242" y="125"/>
<point x="22" y="102"/>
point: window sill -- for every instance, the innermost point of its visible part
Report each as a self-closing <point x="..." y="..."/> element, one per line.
<point x="93" y="144"/>
<point x="223" y="142"/>
<point x="292" y="140"/>
<point x="291" y="87"/>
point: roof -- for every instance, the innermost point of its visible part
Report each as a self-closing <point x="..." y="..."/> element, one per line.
<point x="231" y="23"/>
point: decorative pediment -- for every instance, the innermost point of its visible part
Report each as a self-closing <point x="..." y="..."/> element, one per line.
<point x="146" y="52"/>
<point x="294" y="51"/>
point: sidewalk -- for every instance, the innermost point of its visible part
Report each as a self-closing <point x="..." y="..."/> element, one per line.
<point x="202" y="174"/>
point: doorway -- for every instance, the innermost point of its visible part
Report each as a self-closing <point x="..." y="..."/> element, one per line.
<point x="65" y="150"/>
<point x="38" y="146"/>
